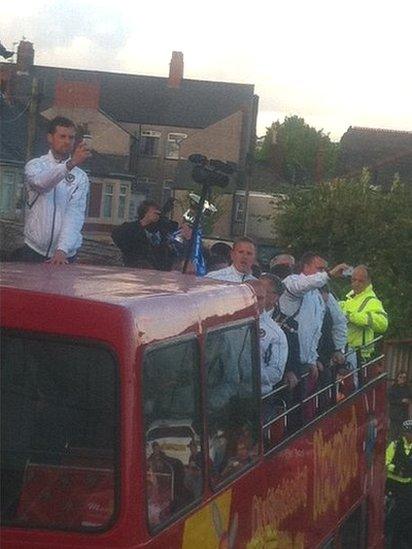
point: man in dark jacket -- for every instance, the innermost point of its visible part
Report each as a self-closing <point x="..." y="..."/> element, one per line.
<point x="399" y="483"/>
<point x="144" y="243"/>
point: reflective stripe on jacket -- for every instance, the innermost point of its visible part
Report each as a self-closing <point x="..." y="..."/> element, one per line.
<point x="391" y="464"/>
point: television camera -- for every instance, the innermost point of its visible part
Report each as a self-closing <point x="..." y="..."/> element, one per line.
<point x="208" y="173"/>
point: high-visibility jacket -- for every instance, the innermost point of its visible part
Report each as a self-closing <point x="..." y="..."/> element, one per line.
<point x="366" y="317"/>
<point x="399" y="461"/>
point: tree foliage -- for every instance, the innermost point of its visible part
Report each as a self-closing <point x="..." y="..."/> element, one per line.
<point x="299" y="153"/>
<point x="350" y="221"/>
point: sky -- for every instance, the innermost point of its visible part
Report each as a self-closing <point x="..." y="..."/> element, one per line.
<point x="336" y="63"/>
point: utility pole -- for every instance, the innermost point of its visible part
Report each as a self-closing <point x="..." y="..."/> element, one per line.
<point x="248" y="177"/>
<point x="32" y="118"/>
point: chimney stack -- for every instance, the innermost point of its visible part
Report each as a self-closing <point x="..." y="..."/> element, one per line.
<point x="176" y="70"/>
<point x="25" y="58"/>
<point x="20" y="86"/>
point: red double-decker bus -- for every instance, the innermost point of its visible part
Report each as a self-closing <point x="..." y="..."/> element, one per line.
<point x="131" y="417"/>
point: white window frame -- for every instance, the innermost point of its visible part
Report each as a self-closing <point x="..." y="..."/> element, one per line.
<point x="104" y="194"/>
<point x="239" y="210"/>
<point x="174" y="139"/>
<point x="153" y="134"/>
<point x="13" y="180"/>
<point x="122" y="196"/>
<point x="116" y="196"/>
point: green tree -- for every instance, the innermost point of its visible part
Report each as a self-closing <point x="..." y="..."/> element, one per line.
<point x="299" y="153"/>
<point x="349" y="221"/>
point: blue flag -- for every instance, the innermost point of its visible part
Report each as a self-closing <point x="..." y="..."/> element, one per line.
<point x="197" y="253"/>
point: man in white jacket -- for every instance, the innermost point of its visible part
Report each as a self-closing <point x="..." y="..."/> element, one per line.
<point x="303" y="301"/>
<point x="56" y="195"/>
<point x="273" y="342"/>
<point x="243" y="256"/>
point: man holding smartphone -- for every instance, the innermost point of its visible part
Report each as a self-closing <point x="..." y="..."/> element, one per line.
<point x="56" y="193"/>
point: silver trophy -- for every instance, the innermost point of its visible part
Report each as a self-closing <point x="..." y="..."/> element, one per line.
<point x="208" y="209"/>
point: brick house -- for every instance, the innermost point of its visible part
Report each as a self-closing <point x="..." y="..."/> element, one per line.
<point x="142" y="127"/>
<point x="384" y="152"/>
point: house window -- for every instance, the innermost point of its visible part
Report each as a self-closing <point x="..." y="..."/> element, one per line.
<point x="94" y="199"/>
<point x="149" y="143"/>
<point x="135" y="200"/>
<point x="173" y="145"/>
<point x="239" y="209"/>
<point x="134" y="153"/>
<point x="167" y="190"/>
<point x="108" y="199"/>
<point x="149" y="187"/>
<point x="121" y="209"/>
<point x="7" y="192"/>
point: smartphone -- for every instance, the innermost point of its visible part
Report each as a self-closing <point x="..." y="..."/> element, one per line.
<point x="87" y="140"/>
<point x="348" y="272"/>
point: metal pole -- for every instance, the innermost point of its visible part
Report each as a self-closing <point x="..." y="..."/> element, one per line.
<point x="248" y="176"/>
<point x="31" y="132"/>
<point x="205" y="190"/>
<point x="32" y="119"/>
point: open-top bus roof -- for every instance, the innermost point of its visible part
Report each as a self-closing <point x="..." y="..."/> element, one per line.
<point x="159" y="303"/>
<point x="113" y="285"/>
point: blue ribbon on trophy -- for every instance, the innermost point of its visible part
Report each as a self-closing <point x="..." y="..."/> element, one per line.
<point x="198" y="259"/>
<point x="180" y="244"/>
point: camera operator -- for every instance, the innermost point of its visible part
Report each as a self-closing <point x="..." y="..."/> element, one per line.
<point x="144" y="243"/>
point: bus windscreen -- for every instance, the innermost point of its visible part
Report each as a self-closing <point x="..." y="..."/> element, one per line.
<point x="58" y="425"/>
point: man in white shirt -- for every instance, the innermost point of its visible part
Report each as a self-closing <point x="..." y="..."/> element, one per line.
<point x="56" y="198"/>
<point x="243" y="257"/>
<point x="303" y="299"/>
<point x="273" y="342"/>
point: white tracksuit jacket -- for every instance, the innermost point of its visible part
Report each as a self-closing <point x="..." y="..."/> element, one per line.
<point x="55" y="206"/>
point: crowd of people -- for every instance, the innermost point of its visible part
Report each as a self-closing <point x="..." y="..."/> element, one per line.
<point x="308" y="339"/>
<point x="303" y="328"/>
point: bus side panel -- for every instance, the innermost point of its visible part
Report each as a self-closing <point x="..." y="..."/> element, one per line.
<point x="298" y="497"/>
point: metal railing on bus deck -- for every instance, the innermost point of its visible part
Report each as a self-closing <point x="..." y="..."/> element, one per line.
<point x="359" y="376"/>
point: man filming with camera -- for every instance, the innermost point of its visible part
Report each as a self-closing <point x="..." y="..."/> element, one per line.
<point x="144" y="243"/>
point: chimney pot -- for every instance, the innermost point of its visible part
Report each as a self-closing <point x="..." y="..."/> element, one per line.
<point x="176" y="70"/>
<point x="25" y="58"/>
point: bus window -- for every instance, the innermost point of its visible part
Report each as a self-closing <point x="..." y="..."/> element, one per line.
<point x="172" y="426"/>
<point x="58" y="422"/>
<point x="232" y="400"/>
